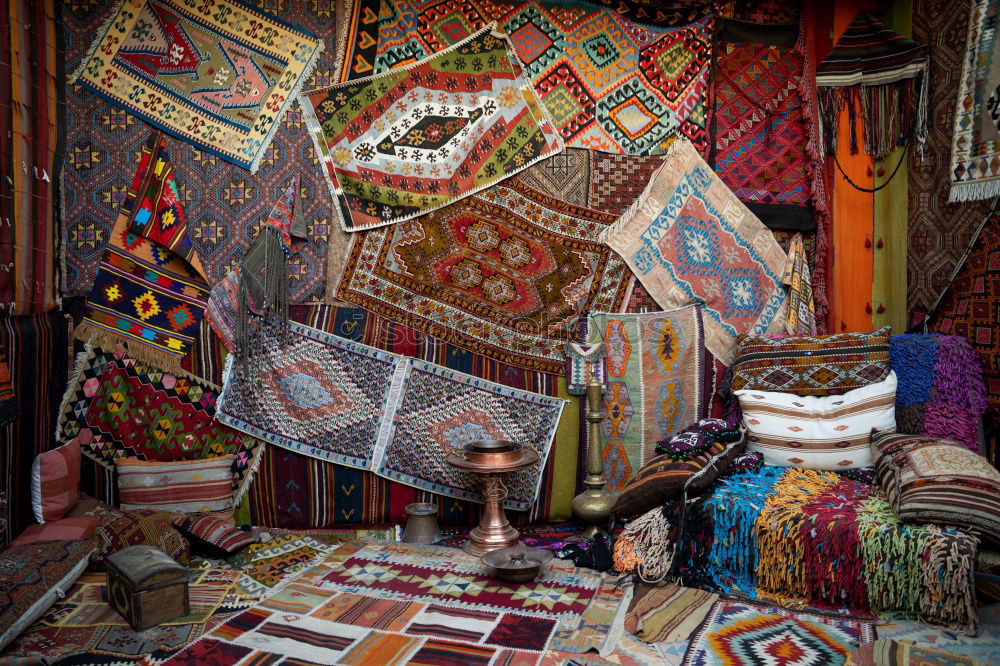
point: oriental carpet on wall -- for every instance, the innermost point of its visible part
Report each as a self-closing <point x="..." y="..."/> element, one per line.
<point x="318" y="395"/>
<point x="507" y="273"/>
<point x="224" y="204"/>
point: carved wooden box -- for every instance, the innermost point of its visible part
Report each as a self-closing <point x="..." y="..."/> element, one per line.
<point x="147" y="587"/>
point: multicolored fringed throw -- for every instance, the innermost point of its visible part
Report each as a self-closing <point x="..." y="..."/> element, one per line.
<point x="219" y="75"/>
<point x="621" y="80"/>
<point x="655" y="383"/>
<point x="874" y="71"/>
<point x="760" y="122"/>
<point x="806" y="537"/>
<point x="940" y="391"/>
<point x="801" y="309"/>
<point x="690" y="240"/>
<point x="117" y="407"/>
<point x="400" y="144"/>
<point x="506" y="272"/>
<point x="738" y="633"/>
<point x="348" y="403"/>
<point x="145" y="294"/>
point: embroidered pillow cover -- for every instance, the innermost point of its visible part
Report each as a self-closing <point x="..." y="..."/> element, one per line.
<point x="188" y="486"/>
<point x="55" y="482"/>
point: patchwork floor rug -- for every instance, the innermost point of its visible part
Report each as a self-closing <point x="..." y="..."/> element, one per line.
<point x="400" y="603"/>
<point x="116" y="407"/>
<point x="667" y="613"/>
<point x="334" y="399"/>
<point x="506" y="272"/>
<point x="406" y="142"/>
<point x="219" y="75"/>
<point x="625" y="80"/>
<point x="742" y="634"/>
<point x="655" y="383"/>
<point x="263" y="566"/>
<point x="690" y="240"/>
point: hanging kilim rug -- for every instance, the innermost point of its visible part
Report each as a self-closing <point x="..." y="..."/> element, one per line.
<point x="690" y="240"/>
<point x="406" y="142"/>
<point x="622" y="81"/>
<point x="369" y="603"/>
<point x="506" y="272"/>
<point x="975" y="167"/>
<point x="654" y="383"/>
<point x="218" y="74"/>
<point x="744" y="634"/>
<point x="145" y="294"/>
<point x="116" y="407"/>
<point x="341" y="401"/>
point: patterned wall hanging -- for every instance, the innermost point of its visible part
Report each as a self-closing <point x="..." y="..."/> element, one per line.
<point x="654" y="383"/>
<point x="348" y="403"/>
<point x="403" y="143"/>
<point x="118" y="407"/>
<point x="801" y="309"/>
<point x="144" y="294"/>
<point x="219" y="75"/>
<point x="690" y="240"/>
<point x="507" y="273"/>
<point x="621" y="80"/>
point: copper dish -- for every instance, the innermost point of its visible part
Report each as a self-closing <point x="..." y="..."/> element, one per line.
<point x="517" y="564"/>
<point x="490" y="452"/>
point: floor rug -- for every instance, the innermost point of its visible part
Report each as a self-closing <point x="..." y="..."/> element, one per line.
<point x="341" y="401"/>
<point x="264" y="565"/>
<point x="689" y="240"/>
<point x="218" y="75"/>
<point x="409" y="141"/>
<point x="506" y="272"/>
<point x="667" y="613"/>
<point x="116" y="407"/>
<point x="985" y="645"/>
<point x="620" y="80"/>
<point x="655" y="383"/>
<point x="738" y="634"/>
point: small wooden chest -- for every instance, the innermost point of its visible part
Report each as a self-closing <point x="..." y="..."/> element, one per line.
<point x="147" y="587"/>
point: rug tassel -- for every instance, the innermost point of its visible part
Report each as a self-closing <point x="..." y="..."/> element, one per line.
<point x="88" y="333"/>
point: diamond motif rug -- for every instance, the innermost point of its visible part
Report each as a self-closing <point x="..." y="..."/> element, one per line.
<point x="620" y="80"/>
<point x="506" y="272"/>
<point x="690" y="240"/>
<point x="744" y="634"/>
<point x="219" y="75"/>
<point x="565" y="176"/>
<point x="654" y="383"/>
<point x="406" y="142"/>
<point x="117" y="407"/>
<point x="402" y="603"/>
<point x="344" y="402"/>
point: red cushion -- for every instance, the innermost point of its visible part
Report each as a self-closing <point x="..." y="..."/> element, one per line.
<point x="55" y="482"/>
<point x="67" y="529"/>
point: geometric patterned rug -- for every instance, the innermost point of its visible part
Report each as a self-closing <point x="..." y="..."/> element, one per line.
<point x="743" y="634"/>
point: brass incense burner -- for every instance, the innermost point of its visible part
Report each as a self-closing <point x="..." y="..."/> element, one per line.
<point x="492" y="459"/>
<point x="517" y="564"/>
<point x="593" y="506"/>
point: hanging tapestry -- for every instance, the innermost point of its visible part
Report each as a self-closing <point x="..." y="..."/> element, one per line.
<point x="617" y="180"/>
<point x="117" y="407"/>
<point x="654" y="383"/>
<point x="621" y="81"/>
<point x="801" y="310"/>
<point x="219" y="75"/>
<point x="507" y="273"/>
<point x="873" y="72"/>
<point x="8" y="399"/>
<point x="690" y="240"/>
<point x="565" y="176"/>
<point x="738" y="633"/>
<point x="406" y="142"/>
<point x="761" y="137"/>
<point x="348" y="403"/>
<point x="143" y="293"/>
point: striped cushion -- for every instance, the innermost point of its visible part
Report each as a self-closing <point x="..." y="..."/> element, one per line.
<point x="55" y="482"/>
<point x="803" y="365"/>
<point x="188" y="486"/>
<point x="818" y="432"/>
<point x="931" y="480"/>
<point x="213" y="536"/>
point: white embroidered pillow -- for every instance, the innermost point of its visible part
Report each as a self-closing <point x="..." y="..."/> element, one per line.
<point x="818" y="432"/>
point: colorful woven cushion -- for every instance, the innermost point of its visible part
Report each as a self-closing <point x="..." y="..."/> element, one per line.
<point x="930" y="480"/>
<point x="33" y="577"/>
<point x="804" y="365"/>
<point x="888" y="652"/>
<point x="188" y="486"/>
<point x="818" y="432"/>
<point x="663" y="477"/>
<point x="212" y="536"/>
<point x="139" y="527"/>
<point x="55" y="482"/>
<point x="66" y="529"/>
